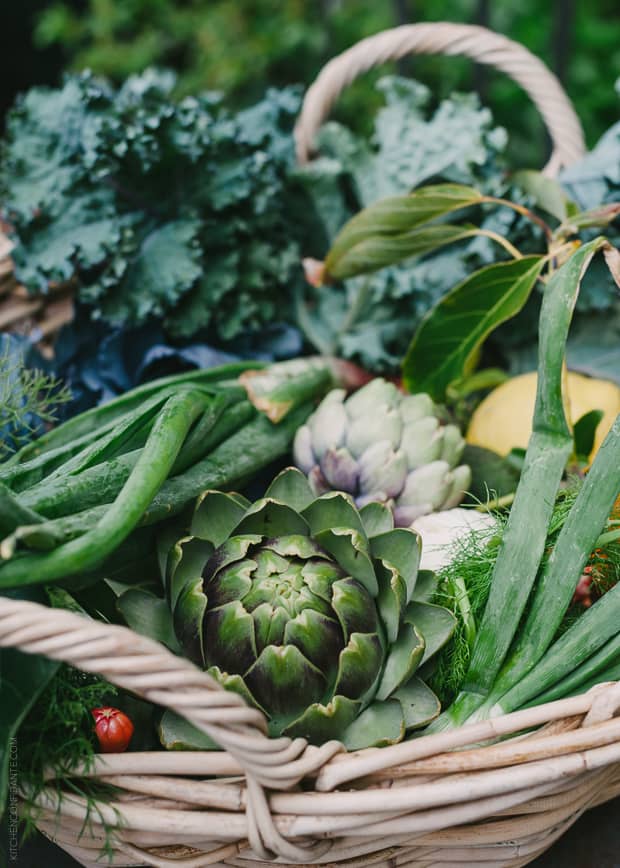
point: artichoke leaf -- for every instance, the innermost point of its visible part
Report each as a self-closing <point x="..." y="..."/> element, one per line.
<point x="270" y="518"/>
<point x="295" y="546"/>
<point x="403" y="659"/>
<point x="435" y="623"/>
<point x="176" y="733"/>
<point x="354" y="607"/>
<point x="318" y="637"/>
<point x="285" y="682"/>
<point x="187" y="560"/>
<point x="148" y="615"/>
<point x="188" y="619"/>
<point x="331" y="510"/>
<point x="359" y="666"/>
<point x="392" y="598"/>
<point x="216" y="515"/>
<point x="169" y="551"/>
<point x="379" y="725"/>
<point x="318" y="575"/>
<point x="269" y="625"/>
<point x="184" y="565"/>
<point x="291" y="488"/>
<point x="320" y="723"/>
<point x="418" y="702"/>
<point x="350" y="550"/>
<point x="377" y="519"/>
<point x="425" y="587"/>
<point x="233" y="583"/>
<point x="230" y="552"/>
<point x="235" y="684"/>
<point x="401" y="548"/>
<point x="228" y="637"/>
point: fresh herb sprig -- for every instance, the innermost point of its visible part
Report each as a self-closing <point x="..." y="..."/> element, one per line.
<point x="29" y="399"/>
<point x="464" y="585"/>
<point x="56" y="738"/>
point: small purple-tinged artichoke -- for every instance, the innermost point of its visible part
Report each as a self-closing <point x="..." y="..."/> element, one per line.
<point x="384" y="446"/>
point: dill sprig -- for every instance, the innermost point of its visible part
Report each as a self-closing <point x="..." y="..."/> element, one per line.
<point x="29" y="398"/>
<point x="57" y="736"/>
<point x="463" y="588"/>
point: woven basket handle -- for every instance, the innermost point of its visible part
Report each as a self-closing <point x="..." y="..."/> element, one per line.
<point x="469" y="40"/>
<point x="149" y="670"/>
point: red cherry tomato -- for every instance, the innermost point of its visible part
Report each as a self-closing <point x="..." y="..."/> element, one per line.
<point x="113" y="728"/>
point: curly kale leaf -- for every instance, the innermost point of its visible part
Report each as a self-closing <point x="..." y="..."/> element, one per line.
<point x="154" y="208"/>
<point x="411" y="145"/>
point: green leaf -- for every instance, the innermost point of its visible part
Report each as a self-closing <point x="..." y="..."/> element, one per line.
<point x="397" y="214"/>
<point x="445" y="346"/>
<point x="176" y="733"/>
<point x="547" y="193"/>
<point x="594" y="218"/>
<point x="148" y="615"/>
<point x="165" y="267"/>
<point x="488" y="378"/>
<point x="584" y="432"/>
<point x="81" y="236"/>
<point x="435" y="623"/>
<point x="376" y="252"/>
<point x="379" y="725"/>
<point x="491" y="474"/>
<point x="402" y="661"/>
<point x="418" y="702"/>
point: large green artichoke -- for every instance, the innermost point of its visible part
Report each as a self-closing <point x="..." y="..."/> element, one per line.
<point x="310" y="609"/>
<point x="381" y="445"/>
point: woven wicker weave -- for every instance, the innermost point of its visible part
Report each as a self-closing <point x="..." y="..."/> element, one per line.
<point x="39" y="317"/>
<point x="496" y="793"/>
<point x="421" y="802"/>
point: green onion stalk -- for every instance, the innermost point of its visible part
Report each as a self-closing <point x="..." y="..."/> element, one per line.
<point x="516" y="659"/>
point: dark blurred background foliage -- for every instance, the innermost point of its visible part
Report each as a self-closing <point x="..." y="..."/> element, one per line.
<point x="241" y="47"/>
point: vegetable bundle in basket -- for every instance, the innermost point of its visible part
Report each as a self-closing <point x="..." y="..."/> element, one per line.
<point x="306" y="606"/>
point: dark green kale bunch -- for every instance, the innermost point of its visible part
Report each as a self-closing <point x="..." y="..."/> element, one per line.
<point x="155" y="208"/>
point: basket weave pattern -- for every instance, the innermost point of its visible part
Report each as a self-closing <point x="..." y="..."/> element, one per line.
<point x="495" y="793"/>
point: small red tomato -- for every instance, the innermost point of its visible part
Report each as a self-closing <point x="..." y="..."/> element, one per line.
<point x="114" y="729"/>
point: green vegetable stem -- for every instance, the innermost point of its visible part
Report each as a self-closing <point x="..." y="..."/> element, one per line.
<point x="148" y="474"/>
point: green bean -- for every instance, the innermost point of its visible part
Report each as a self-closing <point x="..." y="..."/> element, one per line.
<point x="98" y="418"/>
<point x="13" y="512"/>
<point x="246" y="443"/>
<point x="63" y="496"/>
<point x="146" y="478"/>
<point x="99" y="484"/>
<point x="115" y="442"/>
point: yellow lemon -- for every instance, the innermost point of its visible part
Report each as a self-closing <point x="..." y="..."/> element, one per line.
<point x="503" y="420"/>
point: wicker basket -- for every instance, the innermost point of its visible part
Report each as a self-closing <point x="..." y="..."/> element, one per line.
<point x="38" y="317"/>
<point x="496" y="793"/>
